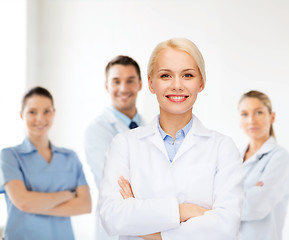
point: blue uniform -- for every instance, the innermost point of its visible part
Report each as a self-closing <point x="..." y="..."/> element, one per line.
<point x="64" y="172"/>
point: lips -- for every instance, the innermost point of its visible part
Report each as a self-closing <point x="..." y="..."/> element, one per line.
<point x="177" y="98"/>
<point x="124" y="97"/>
<point x="253" y="129"/>
<point x="40" y="127"/>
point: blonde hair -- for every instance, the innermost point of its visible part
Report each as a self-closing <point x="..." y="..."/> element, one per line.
<point x="181" y="44"/>
<point x="264" y="99"/>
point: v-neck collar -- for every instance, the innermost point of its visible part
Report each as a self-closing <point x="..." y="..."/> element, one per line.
<point x="267" y="147"/>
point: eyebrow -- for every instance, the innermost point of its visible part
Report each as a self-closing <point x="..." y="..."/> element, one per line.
<point x="188" y="69"/>
<point x="131" y="77"/>
<point x="258" y="108"/>
<point x="168" y="70"/>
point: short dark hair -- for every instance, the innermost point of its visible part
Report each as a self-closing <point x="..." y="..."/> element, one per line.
<point x="123" y="60"/>
<point x="40" y="91"/>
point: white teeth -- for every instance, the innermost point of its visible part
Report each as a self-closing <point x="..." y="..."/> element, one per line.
<point x="177" y="97"/>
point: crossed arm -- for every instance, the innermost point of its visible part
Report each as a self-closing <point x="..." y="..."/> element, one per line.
<point x="186" y="210"/>
<point x="62" y="204"/>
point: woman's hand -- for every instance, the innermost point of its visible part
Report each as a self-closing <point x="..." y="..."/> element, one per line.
<point x="259" y="184"/>
<point x="126" y="192"/>
<point x="154" y="236"/>
<point x="125" y="188"/>
<point x="190" y="210"/>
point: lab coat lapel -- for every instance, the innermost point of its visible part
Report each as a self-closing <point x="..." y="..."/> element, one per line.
<point x="115" y="122"/>
<point x="193" y="136"/>
<point x="152" y="133"/>
<point x="267" y="147"/>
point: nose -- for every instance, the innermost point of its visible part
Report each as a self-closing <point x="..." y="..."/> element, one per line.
<point x="251" y="118"/>
<point x="39" y="117"/>
<point x="123" y="87"/>
<point x="177" y="84"/>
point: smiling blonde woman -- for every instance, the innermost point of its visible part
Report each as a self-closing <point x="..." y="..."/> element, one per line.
<point x="174" y="178"/>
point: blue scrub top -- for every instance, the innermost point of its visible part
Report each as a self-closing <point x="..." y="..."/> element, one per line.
<point x="64" y="172"/>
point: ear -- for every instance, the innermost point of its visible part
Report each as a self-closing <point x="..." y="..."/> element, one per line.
<point x="272" y="117"/>
<point x="140" y="84"/>
<point x="202" y="85"/>
<point x="150" y="83"/>
<point x="106" y="85"/>
<point x="21" y="115"/>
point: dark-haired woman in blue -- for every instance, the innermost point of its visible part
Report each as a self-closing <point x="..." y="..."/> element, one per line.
<point x="44" y="184"/>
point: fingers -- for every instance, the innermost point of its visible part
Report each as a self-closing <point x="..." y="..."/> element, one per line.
<point x="260" y="184"/>
<point x="126" y="190"/>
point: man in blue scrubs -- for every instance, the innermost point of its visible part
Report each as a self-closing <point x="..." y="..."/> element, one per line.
<point x="123" y="82"/>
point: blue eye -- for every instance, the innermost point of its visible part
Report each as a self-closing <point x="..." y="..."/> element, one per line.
<point x="244" y="114"/>
<point x="259" y="113"/>
<point x="165" y="76"/>
<point x="188" y="75"/>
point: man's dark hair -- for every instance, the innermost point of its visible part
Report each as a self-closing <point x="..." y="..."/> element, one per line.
<point x="125" y="61"/>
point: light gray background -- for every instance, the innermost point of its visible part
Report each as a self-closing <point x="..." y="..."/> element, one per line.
<point x="64" y="45"/>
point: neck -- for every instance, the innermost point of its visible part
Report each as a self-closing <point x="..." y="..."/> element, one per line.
<point x="130" y="112"/>
<point x="172" y="123"/>
<point x="254" y="146"/>
<point x="39" y="142"/>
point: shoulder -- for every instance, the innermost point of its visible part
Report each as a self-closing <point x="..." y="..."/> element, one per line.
<point x="213" y="136"/>
<point x="280" y="152"/>
<point x="141" y="131"/>
<point x="66" y="155"/>
<point x="10" y="150"/>
<point x="63" y="151"/>
<point x="103" y="123"/>
<point x="130" y="137"/>
<point x="142" y="120"/>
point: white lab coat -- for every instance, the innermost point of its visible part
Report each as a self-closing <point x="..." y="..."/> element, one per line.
<point x="264" y="209"/>
<point x="98" y="137"/>
<point x="207" y="170"/>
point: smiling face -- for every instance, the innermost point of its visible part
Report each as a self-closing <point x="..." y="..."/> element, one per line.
<point x="123" y="84"/>
<point x="38" y="114"/>
<point x="255" y="118"/>
<point x="176" y="81"/>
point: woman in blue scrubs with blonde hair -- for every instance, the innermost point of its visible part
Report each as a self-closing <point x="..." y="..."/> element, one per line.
<point x="44" y="184"/>
<point x="266" y="166"/>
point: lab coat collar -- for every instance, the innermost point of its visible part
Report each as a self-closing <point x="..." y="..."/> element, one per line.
<point x="267" y="147"/>
<point x="197" y="130"/>
<point x="113" y="120"/>
<point x="151" y="132"/>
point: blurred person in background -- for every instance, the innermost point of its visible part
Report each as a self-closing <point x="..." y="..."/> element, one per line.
<point x="266" y="166"/>
<point x="123" y="82"/>
<point x="44" y="184"/>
